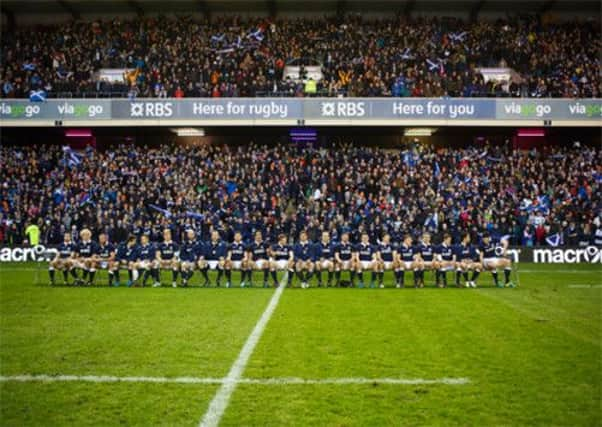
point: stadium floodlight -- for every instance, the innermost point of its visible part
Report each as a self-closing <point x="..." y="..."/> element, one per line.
<point x="419" y="131"/>
<point x="189" y="131"/>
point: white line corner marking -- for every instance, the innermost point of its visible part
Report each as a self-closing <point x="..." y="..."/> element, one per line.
<point x="221" y="399"/>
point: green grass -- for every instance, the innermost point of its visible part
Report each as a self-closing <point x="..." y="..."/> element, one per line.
<point x="533" y="354"/>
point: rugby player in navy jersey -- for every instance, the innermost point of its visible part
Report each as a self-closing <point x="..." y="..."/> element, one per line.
<point x="235" y="258"/>
<point x="366" y="260"/>
<point x="104" y="259"/>
<point x="387" y="259"/>
<point x="344" y="260"/>
<point x="84" y="253"/>
<point x="146" y="261"/>
<point x="257" y="259"/>
<point x="467" y="260"/>
<point x="188" y="257"/>
<point x="63" y="260"/>
<point x="304" y="266"/>
<point x="426" y="258"/>
<point x="493" y="257"/>
<point x="407" y="261"/>
<point x="166" y="257"/>
<point x="446" y="259"/>
<point x="126" y="257"/>
<point x="324" y="258"/>
<point x="282" y="259"/>
<point x="215" y="252"/>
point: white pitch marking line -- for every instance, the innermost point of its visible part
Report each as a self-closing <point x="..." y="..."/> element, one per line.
<point x="260" y="381"/>
<point x="585" y="286"/>
<point x="221" y="399"/>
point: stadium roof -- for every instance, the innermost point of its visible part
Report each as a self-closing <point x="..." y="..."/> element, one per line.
<point x="76" y="8"/>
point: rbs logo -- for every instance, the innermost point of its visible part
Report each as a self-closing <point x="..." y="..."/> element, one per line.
<point x="151" y="109"/>
<point x="343" y="109"/>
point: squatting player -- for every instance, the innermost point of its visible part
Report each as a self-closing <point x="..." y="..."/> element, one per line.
<point x="166" y="257"/>
<point x="324" y="258"/>
<point x="84" y="257"/>
<point x="387" y="258"/>
<point x="366" y="260"/>
<point x="303" y="256"/>
<point x="235" y="258"/>
<point x="467" y="259"/>
<point x="63" y="260"/>
<point x="493" y="257"/>
<point x="282" y="259"/>
<point x="343" y="256"/>
<point x="104" y="259"/>
<point x="257" y="259"/>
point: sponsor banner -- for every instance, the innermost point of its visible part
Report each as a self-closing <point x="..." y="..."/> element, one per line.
<point x="328" y="109"/>
<point x="537" y="255"/>
<point x="27" y="254"/>
<point x="551" y="255"/>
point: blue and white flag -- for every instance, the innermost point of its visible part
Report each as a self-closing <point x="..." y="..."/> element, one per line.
<point x="37" y="95"/>
<point x="406" y="53"/>
<point x="72" y="158"/>
<point x="257" y="35"/>
<point x="159" y="209"/>
<point x="437" y="171"/>
<point x="554" y="240"/>
<point x="29" y="66"/>
<point x="458" y="37"/>
<point x="218" y="37"/>
<point x="433" y="66"/>
<point x="195" y="215"/>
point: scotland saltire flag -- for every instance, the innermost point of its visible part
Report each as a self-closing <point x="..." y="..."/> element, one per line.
<point x="553" y="240"/>
<point x="73" y="159"/>
<point x="37" y="96"/>
<point x="194" y="215"/>
<point x="437" y="171"/>
<point x="159" y="209"/>
<point x="29" y="66"/>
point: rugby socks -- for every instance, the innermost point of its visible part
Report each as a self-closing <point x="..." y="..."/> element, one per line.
<point x="352" y="277"/>
<point x="92" y="273"/>
<point x="290" y="277"/>
<point x="495" y="278"/>
<point x="74" y="273"/>
<point x="373" y="278"/>
<point x="111" y="275"/>
<point x="174" y="275"/>
<point x="444" y="278"/>
<point x="458" y="275"/>
<point x="51" y="274"/>
<point x="475" y="275"/>
<point x="416" y="278"/>
<point x="319" y="275"/>
<point x="465" y="274"/>
<point x="266" y="275"/>
<point x="205" y="276"/>
<point x="66" y="276"/>
<point x="220" y="273"/>
<point x="329" y="279"/>
<point x="338" y="278"/>
<point x="275" y="278"/>
<point x="507" y="272"/>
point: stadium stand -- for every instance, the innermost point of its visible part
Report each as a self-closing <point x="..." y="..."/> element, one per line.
<point x="527" y="195"/>
<point x="234" y="57"/>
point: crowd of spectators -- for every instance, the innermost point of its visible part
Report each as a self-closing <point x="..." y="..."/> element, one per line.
<point x="529" y="196"/>
<point x="231" y="57"/>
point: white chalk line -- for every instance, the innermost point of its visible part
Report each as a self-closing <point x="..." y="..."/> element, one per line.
<point x="585" y="286"/>
<point x="220" y="401"/>
<point x="227" y="380"/>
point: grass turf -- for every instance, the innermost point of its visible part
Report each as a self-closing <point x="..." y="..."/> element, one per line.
<point x="533" y="354"/>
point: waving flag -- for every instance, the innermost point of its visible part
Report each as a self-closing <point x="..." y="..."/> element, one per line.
<point x="553" y="240"/>
<point x="257" y="35"/>
<point x="195" y="215"/>
<point x="37" y="95"/>
<point x="458" y="37"/>
<point x="406" y="54"/>
<point x="159" y="209"/>
<point x="72" y="158"/>
<point x="433" y="65"/>
<point x="437" y="171"/>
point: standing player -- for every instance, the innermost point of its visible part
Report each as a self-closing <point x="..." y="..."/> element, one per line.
<point x="85" y="251"/>
<point x="446" y="259"/>
<point x="324" y="258"/>
<point x="387" y="258"/>
<point x="467" y="259"/>
<point x="105" y="257"/>
<point x="146" y="261"/>
<point x="63" y="260"/>
<point x="188" y="257"/>
<point x="426" y="258"/>
<point x="366" y="260"/>
<point x="215" y="256"/>
<point x="282" y="259"/>
<point x="166" y="257"/>
<point x="304" y="256"/>
<point x="236" y="258"/>
<point x="257" y="259"/>
<point x="493" y="257"/>
<point x="407" y="261"/>
<point x="127" y="253"/>
<point x="343" y="256"/>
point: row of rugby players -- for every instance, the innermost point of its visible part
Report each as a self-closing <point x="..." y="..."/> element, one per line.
<point x="304" y="259"/>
